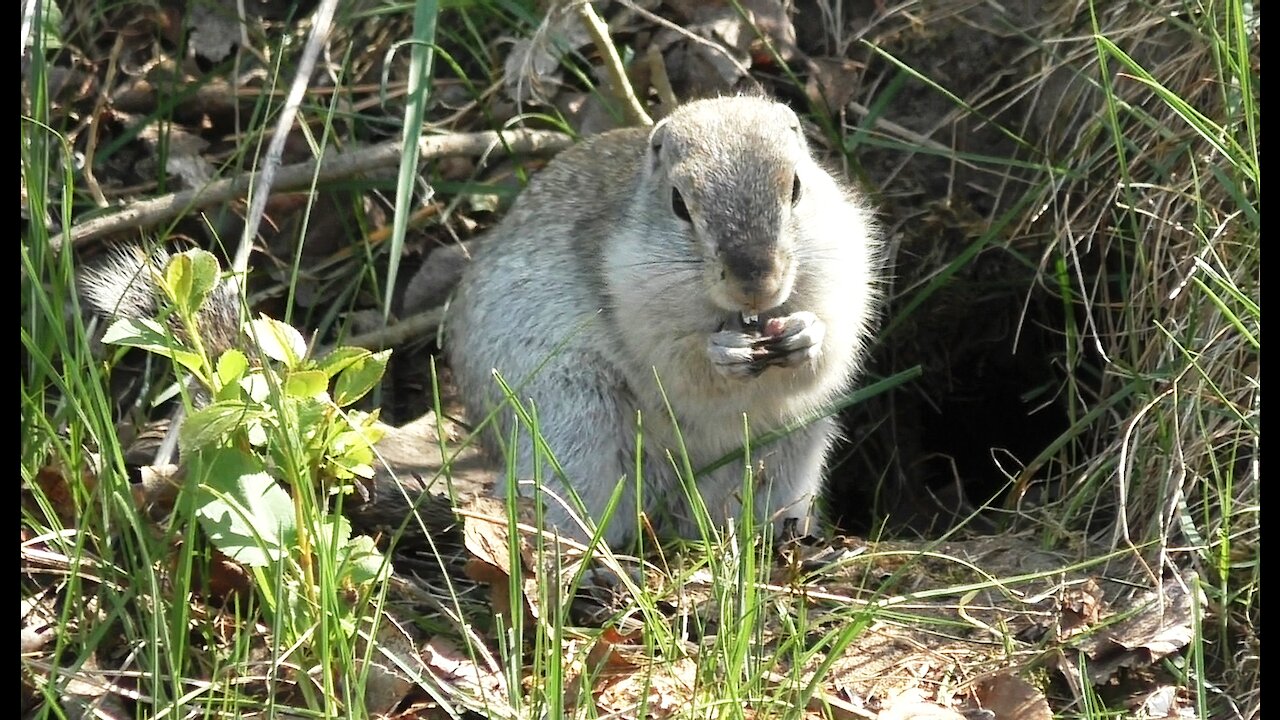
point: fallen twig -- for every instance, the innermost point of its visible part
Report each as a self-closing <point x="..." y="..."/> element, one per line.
<point x="413" y="326"/>
<point x="621" y="86"/>
<point x="321" y="23"/>
<point x="300" y="176"/>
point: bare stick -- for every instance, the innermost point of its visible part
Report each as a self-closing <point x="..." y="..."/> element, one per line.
<point x="661" y="81"/>
<point x="416" y="325"/>
<point x="300" y="176"/>
<point x="691" y="36"/>
<point x="613" y="65"/>
<point x="321" y="22"/>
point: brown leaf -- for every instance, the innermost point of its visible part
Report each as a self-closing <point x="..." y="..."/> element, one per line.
<point x="214" y="29"/>
<point x="667" y="689"/>
<point x="1009" y="697"/>
<point x="453" y="667"/>
<point x="698" y="69"/>
<point x="417" y="449"/>
<point x="613" y="651"/>
<point x="1167" y="702"/>
<point x="54" y="485"/>
<point x="499" y="583"/>
<point x="222" y="579"/>
<point x="1160" y="625"/>
<point x="832" y="81"/>
<point x="485" y="532"/>
<point x="40" y="623"/>
<point x="533" y="72"/>
<point x="91" y="692"/>
<point x="771" y="19"/>
<point x="1079" y="608"/>
<point x="394" y="650"/>
<point x="767" y="18"/>
<point x="612" y="655"/>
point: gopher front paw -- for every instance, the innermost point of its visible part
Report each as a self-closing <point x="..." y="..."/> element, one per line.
<point x="746" y="351"/>
<point x="793" y="340"/>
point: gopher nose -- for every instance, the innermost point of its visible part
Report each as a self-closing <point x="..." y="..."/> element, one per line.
<point x="756" y="282"/>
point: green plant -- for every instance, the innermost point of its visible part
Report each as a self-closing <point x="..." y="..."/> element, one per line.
<point x="272" y="421"/>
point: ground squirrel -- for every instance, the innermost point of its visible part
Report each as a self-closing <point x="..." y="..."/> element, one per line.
<point x="710" y="253"/>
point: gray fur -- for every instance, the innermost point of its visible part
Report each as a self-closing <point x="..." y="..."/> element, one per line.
<point x="592" y="289"/>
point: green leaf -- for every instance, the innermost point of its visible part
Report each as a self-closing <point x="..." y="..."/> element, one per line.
<point x="214" y="423"/>
<point x="279" y="341"/>
<point x="346" y="467"/>
<point x="367" y="424"/>
<point x="306" y="383"/>
<point x="340" y="358"/>
<point x="257" y="433"/>
<point x="257" y="387"/>
<point x="365" y="563"/>
<point x="51" y="26"/>
<point x="231" y="367"/>
<point x="314" y="418"/>
<point x="358" y="378"/>
<point x="352" y="451"/>
<point x="242" y="510"/>
<point x="364" y="470"/>
<point x="338" y="530"/>
<point x="189" y="277"/>
<point x="152" y="337"/>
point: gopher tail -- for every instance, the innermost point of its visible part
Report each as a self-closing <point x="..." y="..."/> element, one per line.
<point x="124" y="285"/>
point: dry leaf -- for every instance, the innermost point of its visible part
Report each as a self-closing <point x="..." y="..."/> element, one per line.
<point x="666" y="688"/>
<point x="223" y="578"/>
<point x="1160" y="625"/>
<point x="181" y="151"/>
<point x="393" y="664"/>
<point x="453" y="668"/>
<point x="417" y="449"/>
<point x="832" y="81"/>
<point x="1167" y="702"/>
<point x="90" y="692"/>
<point x="1079" y="608"/>
<point x="498" y="582"/>
<point x="40" y="623"/>
<point x="610" y="651"/>
<point x="53" y="484"/>
<point x="486" y="535"/>
<point x="768" y="18"/>
<point x="1009" y="697"/>
<point x="532" y="71"/>
<point x="485" y="532"/>
<point x="215" y="28"/>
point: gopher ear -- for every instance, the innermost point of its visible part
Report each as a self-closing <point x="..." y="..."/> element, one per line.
<point x="657" y="136"/>
<point x="799" y="131"/>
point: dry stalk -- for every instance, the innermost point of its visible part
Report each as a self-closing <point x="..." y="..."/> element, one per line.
<point x="300" y="176"/>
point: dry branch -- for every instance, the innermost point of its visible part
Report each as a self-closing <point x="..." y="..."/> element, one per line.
<point x="321" y="24"/>
<point x="621" y="86"/>
<point x="301" y="176"/>
<point x="416" y="325"/>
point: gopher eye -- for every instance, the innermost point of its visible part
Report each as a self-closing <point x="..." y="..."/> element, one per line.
<point x="678" y="207"/>
<point x="795" y="190"/>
